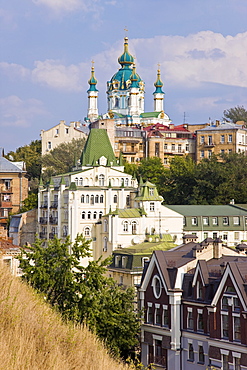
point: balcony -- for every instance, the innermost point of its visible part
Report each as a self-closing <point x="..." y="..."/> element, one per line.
<point x="54" y="205"/>
<point x="44" y="205"/>
<point x="6" y="190"/>
<point x="6" y="204"/>
<point x="43" y="220"/>
<point x="208" y="145"/>
<point x="53" y="220"/>
<point x="43" y="235"/>
<point x="52" y="235"/>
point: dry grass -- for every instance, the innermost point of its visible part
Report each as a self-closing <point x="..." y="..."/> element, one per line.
<point x="33" y="337"/>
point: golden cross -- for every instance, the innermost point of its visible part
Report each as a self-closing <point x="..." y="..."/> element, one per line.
<point x="126" y="30"/>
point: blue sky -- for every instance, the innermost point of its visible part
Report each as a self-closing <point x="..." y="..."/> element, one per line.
<point x="47" y="47"/>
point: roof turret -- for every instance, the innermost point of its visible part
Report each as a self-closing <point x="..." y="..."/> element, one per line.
<point x="158" y="84"/>
<point x="92" y="81"/>
<point x="126" y="59"/>
<point x="134" y="78"/>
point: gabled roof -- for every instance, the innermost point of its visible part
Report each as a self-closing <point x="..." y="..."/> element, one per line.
<point x="98" y="145"/>
<point x="207" y="210"/>
<point x="7" y="166"/>
<point x="145" y="193"/>
<point x="223" y="126"/>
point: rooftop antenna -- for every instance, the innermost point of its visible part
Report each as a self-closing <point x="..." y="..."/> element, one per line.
<point x="184" y="120"/>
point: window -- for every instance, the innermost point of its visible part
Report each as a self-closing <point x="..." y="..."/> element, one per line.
<point x="101" y="199"/>
<point x="87" y="198"/>
<point x="158" y="351"/>
<point x="49" y="145"/>
<point x="179" y="148"/>
<point x="225" y="362"/>
<point x="236" y="304"/>
<point x="157" y="315"/>
<point x="105" y="225"/>
<point x="101" y="180"/>
<point x="225" y="236"/>
<point x="134" y="227"/>
<point x="202" y="139"/>
<point x="105" y="244"/>
<point x="229" y="138"/>
<point x="225" y="326"/>
<point x="236" y="235"/>
<point x="165" y="160"/>
<point x="165" y="317"/>
<point x="194" y="221"/>
<point x="190" y="319"/>
<point x="126" y="182"/>
<point x="205" y="220"/>
<point x="199" y="289"/>
<point x="210" y="140"/>
<point x="215" y="221"/>
<point x="115" y="199"/>
<point x="152" y="206"/>
<point x="156" y="284"/>
<point x="222" y="139"/>
<point x="215" y="235"/>
<point x="96" y="199"/>
<point x="205" y="235"/>
<point x="165" y="146"/>
<point x="235" y="220"/>
<point x="83" y="215"/>
<point x="187" y="147"/>
<point x="236" y="328"/>
<point x="225" y="221"/>
<point x="202" y="153"/>
<point x="151" y="192"/>
<point x="127" y="200"/>
<point x="173" y="147"/>
<point x="201" y="356"/>
<point x="57" y="131"/>
<point x="95" y="215"/>
<point x="157" y="150"/>
<point x="81" y="181"/>
<point x="87" y="231"/>
<point x="191" y="352"/>
<point x="149" y="313"/>
<point x="100" y="214"/>
<point x="236" y="361"/>
<point x="210" y="154"/>
<point x="200" y="323"/>
<point x="92" y="199"/>
<point x="76" y="181"/>
<point x="89" y="215"/>
<point x="222" y="151"/>
<point x="66" y="131"/>
<point x="125" y="226"/>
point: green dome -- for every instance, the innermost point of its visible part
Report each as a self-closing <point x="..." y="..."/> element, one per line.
<point x="92" y="81"/>
<point x="158" y="83"/>
<point x="126" y="59"/>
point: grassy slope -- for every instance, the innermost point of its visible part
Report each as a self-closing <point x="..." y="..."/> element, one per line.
<point x="33" y="337"/>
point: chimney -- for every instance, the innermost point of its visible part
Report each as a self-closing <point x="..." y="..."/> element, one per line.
<point x="217" y="123"/>
<point x="171" y="126"/>
<point x="232" y="201"/>
<point x="217" y="243"/>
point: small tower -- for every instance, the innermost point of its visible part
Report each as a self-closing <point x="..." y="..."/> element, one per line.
<point x="134" y="93"/>
<point x="158" y="94"/>
<point x="92" y="112"/>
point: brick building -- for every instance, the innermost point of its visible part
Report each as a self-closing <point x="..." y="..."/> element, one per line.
<point x="13" y="187"/>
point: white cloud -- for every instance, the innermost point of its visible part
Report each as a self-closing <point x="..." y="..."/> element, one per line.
<point x="20" y="113"/>
<point x="67" y="6"/>
<point x="13" y="70"/>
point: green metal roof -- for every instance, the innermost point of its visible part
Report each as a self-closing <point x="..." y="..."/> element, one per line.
<point x="207" y="210"/>
<point x="145" y="192"/>
<point x="150" y="114"/>
<point x="128" y="213"/>
<point x="98" y="145"/>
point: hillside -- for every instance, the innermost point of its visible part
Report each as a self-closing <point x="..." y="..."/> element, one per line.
<point x="33" y="337"/>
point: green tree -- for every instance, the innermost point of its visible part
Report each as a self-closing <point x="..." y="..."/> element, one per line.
<point x="30" y="202"/>
<point x="31" y="155"/>
<point x="152" y="169"/>
<point x="238" y="113"/>
<point x="62" y="158"/>
<point x="83" y="294"/>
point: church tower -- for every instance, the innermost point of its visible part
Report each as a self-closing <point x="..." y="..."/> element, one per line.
<point x="92" y="112"/>
<point x="158" y="94"/>
<point x="125" y="90"/>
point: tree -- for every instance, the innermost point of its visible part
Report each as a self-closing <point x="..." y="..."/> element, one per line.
<point x="152" y="169"/>
<point x="62" y="158"/>
<point x="238" y="113"/>
<point x="31" y="155"/>
<point x="29" y="203"/>
<point x="83" y="294"/>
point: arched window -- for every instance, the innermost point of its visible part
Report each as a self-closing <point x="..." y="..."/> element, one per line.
<point x="105" y="225"/>
<point x="82" y="199"/>
<point x="122" y="182"/>
<point x="81" y="181"/>
<point x="95" y="215"/>
<point x="105" y="244"/>
<point x="89" y="215"/>
<point x="96" y="199"/>
<point x="83" y="215"/>
<point x="87" y="198"/>
<point x="76" y="181"/>
<point x="101" y="199"/>
<point x="127" y="200"/>
<point x="92" y="199"/>
<point x="133" y="227"/>
<point x="87" y="232"/>
<point x="126" y="182"/>
<point x="65" y="230"/>
<point x="115" y="199"/>
<point x="101" y="180"/>
<point x="100" y="214"/>
<point x="116" y="102"/>
<point x="125" y="226"/>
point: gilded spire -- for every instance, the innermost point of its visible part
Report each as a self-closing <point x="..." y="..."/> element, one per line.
<point x="92" y="81"/>
<point x="126" y="59"/>
<point x="158" y="83"/>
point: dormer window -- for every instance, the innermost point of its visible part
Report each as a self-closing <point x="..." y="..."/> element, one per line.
<point x="101" y="180"/>
<point x="199" y="290"/>
<point x="151" y="192"/>
<point x="156" y="284"/>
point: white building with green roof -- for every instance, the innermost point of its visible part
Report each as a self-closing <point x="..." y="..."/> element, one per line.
<point x="105" y="204"/>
